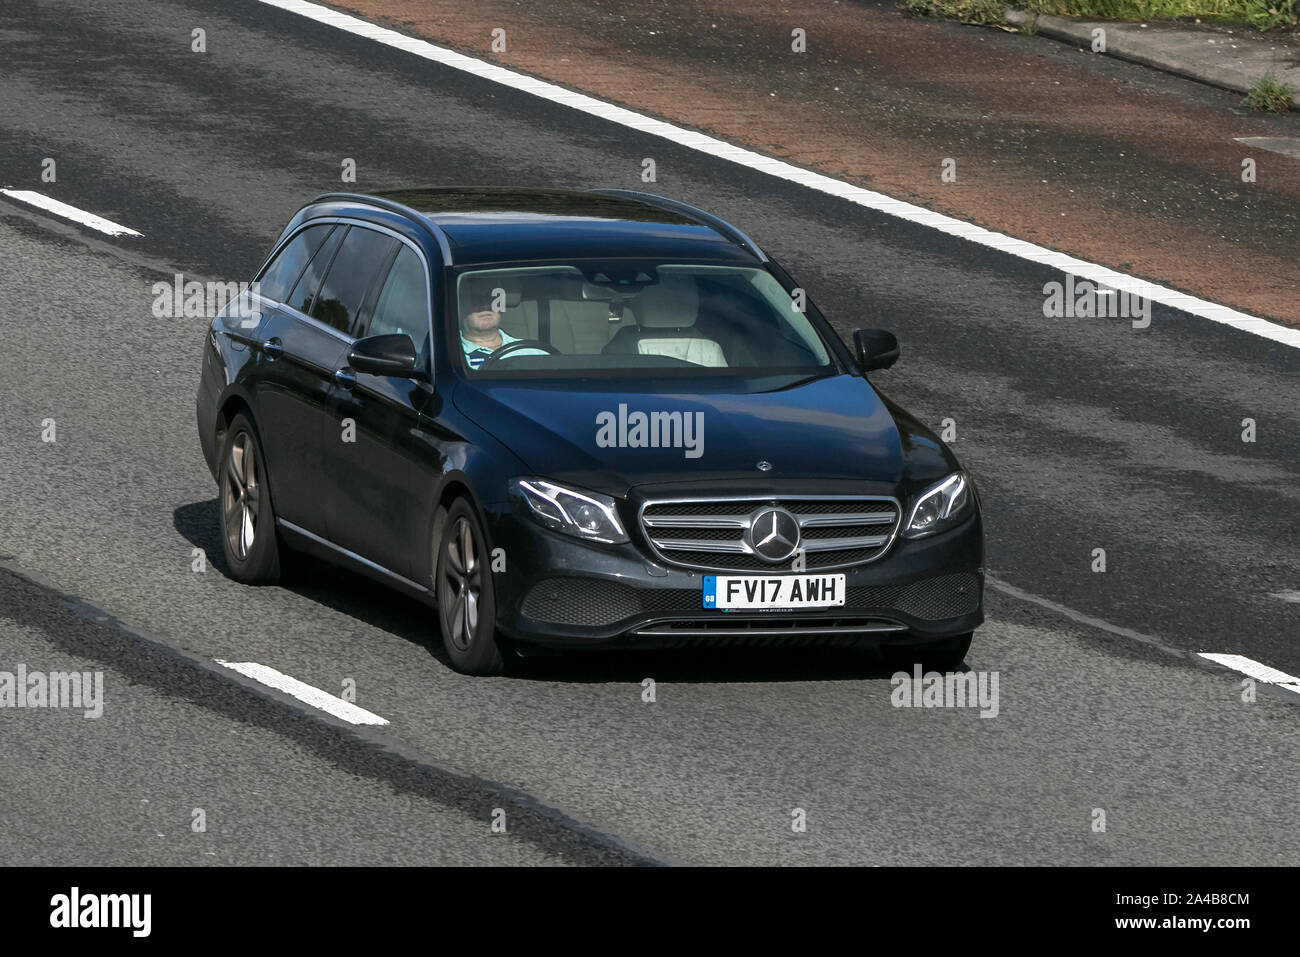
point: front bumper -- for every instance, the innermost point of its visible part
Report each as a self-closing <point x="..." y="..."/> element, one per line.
<point x="558" y="591"/>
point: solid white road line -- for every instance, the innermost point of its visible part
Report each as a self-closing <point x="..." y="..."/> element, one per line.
<point x="1285" y="145"/>
<point x="766" y="164"/>
<point x="69" y="212"/>
<point x="1253" y="669"/>
<point x="303" y="692"/>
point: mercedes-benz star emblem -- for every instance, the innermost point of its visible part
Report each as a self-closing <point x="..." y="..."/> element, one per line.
<point x="774" y="534"/>
<point x="764" y="466"/>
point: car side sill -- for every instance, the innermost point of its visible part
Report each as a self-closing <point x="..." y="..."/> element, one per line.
<point x="324" y="548"/>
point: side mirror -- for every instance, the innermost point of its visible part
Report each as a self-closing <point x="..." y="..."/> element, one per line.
<point x="391" y="355"/>
<point x="876" y="348"/>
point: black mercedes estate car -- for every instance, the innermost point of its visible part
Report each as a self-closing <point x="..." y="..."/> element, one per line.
<point x="572" y="419"/>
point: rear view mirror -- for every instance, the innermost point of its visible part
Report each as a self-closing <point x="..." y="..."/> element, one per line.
<point x="876" y="348"/>
<point x="391" y="355"/>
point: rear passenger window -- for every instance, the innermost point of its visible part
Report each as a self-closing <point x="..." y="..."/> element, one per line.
<point x="284" y="270"/>
<point x="403" y="304"/>
<point x="354" y="270"/>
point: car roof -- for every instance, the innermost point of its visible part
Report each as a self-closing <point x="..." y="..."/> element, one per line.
<point x="479" y="225"/>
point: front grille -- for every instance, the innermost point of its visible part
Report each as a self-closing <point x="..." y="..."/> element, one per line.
<point x="753" y="633"/>
<point x="713" y="534"/>
<point x="582" y="601"/>
<point x="590" y="602"/>
<point x="947" y="596"/>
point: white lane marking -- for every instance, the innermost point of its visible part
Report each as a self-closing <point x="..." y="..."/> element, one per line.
<point x="69" y="212"/>
<point x="303" y="692"/>
<point x="1253" y="669"/>
<point x="1285" y="145"/>
<point x="766" y="164"/>
<point x="1241" y="663"/>
<point x="1290" y="595"/>
<point x="1100" y="624"/>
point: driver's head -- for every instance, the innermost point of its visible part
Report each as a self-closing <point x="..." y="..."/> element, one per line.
<point x="477" y="317"/>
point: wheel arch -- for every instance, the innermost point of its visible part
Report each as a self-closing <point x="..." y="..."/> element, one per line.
<point x="233" y="403"/>
<point x="453" y="485"/>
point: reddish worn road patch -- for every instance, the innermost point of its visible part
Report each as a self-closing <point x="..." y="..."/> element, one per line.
<point x="1103" y="160"/>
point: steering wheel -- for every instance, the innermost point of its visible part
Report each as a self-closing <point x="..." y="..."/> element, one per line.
<point x="513" y="347"/>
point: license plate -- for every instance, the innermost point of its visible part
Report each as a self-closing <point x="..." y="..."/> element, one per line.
<point x="727" y="592"/>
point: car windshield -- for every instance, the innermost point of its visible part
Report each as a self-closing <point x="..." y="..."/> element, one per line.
<point x="651" y="319"/>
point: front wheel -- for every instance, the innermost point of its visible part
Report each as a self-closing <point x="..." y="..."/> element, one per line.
<point x="465" y="595"/>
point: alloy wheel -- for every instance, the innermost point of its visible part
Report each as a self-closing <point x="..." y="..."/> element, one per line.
<point x="461" y="585"/>
<point x="242" y="499"/>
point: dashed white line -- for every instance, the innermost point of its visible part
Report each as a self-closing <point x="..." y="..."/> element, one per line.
<point x="998" y="584"/>
<point x="1254" y="669"/>
<point x="766" y="164"/>
<point x="304" y="692"/>
<point x="1288" y="595"/>
<point x="1239" y="663"/>
<point x="40" y="201"/>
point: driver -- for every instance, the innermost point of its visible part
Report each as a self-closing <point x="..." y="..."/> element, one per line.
<point x="480" y="326"/>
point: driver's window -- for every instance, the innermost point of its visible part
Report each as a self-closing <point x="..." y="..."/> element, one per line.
<point x="403" y="304"/>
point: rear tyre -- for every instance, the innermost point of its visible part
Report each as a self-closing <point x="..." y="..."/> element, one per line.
<point x="465" y="595"/>
<point x="946" y="654"/>
<point x="248" y="534"/>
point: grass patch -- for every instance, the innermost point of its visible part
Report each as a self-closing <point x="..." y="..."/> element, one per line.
<point x="1263" y="14"/>
<point x="983" y="12"/>
<point x="1270" y="94"/>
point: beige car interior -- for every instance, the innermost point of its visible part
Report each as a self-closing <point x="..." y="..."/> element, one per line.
<point x="660" y="320"/>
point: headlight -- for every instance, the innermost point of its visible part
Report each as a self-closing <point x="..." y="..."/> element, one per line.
<point x="939" y="507"/>
<point x="586" y="515"/>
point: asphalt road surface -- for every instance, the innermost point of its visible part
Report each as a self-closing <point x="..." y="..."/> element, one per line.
<point x="1082" y="433"/>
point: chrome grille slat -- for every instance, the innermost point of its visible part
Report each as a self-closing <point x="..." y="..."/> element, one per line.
<point x="696" y="521"/>
<point x="722" y="526"/>
<point x="688" y="545"/>
<point x="841" y="544"/>
<point x="847" y="518"/>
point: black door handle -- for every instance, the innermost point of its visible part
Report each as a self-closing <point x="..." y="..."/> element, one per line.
<point x="273" y="349"/>
<point x="345" y="377"/>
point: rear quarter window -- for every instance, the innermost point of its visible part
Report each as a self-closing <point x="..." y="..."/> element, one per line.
<point x="283" y="271"/>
